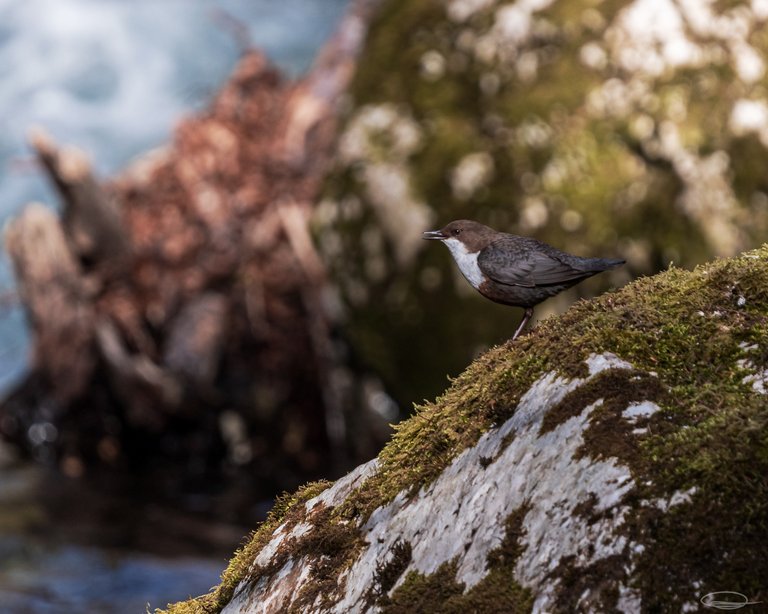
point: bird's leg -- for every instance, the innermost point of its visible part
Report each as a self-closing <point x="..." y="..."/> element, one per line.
<point x="526" y="316"/>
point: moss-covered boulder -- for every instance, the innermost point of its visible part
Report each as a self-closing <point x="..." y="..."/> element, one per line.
<point x="614" y="459"/>
<point x="622" y="128"/>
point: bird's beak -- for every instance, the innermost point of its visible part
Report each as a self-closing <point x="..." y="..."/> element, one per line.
<point x="434" y="234"/>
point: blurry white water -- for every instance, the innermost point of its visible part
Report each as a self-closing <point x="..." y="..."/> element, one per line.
<point x="113" y="76"/>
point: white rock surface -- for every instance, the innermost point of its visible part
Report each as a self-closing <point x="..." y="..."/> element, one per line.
<point x="461" y="515"/>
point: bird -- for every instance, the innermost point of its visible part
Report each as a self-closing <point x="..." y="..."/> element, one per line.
<point x="514" y="270"/>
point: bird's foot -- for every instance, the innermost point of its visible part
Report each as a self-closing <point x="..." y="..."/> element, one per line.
<point x="526" y="316"/>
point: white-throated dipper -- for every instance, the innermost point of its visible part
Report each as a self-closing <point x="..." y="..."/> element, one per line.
<point x="512" y="270"/>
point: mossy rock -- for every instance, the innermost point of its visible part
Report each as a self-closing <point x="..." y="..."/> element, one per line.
<point x="583" y="123"/>
<point x="613" y="459"/>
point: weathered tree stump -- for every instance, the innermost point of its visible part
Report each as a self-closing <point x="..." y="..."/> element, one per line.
<point x="181" y="309"/>
<point x="57" y="300"/>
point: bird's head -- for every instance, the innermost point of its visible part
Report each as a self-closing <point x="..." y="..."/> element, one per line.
<point x="474" y="235"/>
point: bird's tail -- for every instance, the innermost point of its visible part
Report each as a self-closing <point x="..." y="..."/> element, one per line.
<point x="604" y="264"/>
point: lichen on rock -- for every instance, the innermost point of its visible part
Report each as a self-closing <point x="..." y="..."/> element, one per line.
<point x="612" y="459"/>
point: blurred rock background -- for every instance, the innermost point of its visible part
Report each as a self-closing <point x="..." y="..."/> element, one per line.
<point x="631" y="129"/>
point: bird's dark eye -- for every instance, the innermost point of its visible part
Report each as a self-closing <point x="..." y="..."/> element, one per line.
<point x="457" y="231"/>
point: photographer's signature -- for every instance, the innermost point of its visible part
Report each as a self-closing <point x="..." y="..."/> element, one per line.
<point x="727" y="600"/>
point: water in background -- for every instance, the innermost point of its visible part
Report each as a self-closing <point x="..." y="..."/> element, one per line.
<point x="113" y="76"/>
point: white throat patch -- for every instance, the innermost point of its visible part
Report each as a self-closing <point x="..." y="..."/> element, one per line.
<point x="467" y="262"/>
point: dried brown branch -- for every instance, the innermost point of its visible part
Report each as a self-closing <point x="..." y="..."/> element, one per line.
<point x="91" y="219"/>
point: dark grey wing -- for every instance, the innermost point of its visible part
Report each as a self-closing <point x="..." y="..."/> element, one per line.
<point x="517" y="261"/>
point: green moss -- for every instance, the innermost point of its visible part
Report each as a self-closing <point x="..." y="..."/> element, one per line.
<point x="498" y="592"/>
<point x="618" y="387"/>
<point x="420" y="594"/>
<point x="713" y="540"/>
<point x="388" y="573"/>
<point x="575" y="580"/>
<point x="331" y="546"/>
<point x="288" y="508"/>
